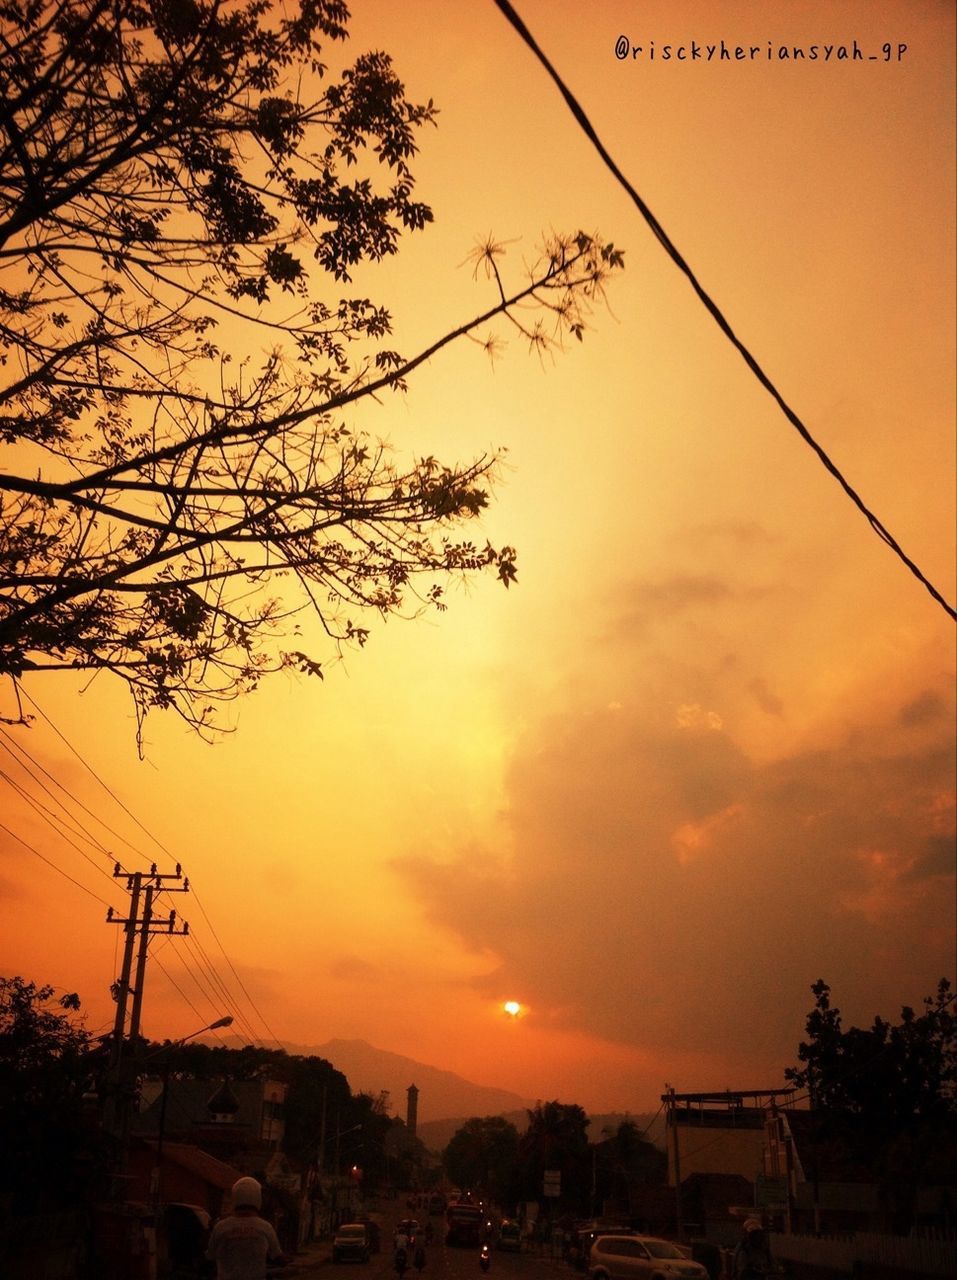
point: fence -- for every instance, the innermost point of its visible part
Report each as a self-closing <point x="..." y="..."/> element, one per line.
<point x="900" y="1255"/>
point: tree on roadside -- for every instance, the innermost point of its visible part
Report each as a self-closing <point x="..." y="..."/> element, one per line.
<point x="186" y="188"/>
<point x="483" y="1154"/>
<point x="49" y="1151"/>
<point x="891" y="1074"/>
<point x="625" y="1161"/>
<point x="557" y="1139"/>
<point x="887" y="1092"/>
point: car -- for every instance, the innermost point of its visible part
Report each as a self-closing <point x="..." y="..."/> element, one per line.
<point x="509" y="1236"/>
<point x="351" y="1243"/>
<point x="634" y="1257"/>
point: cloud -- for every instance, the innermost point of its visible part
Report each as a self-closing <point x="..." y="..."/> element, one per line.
<point x="739" y="533"/>
<point x="765" y="699"/>
<point x="938" y="858"/>
<point x="656" y="887"/>
<point x="924" y="709"/>
<point x="352" y="968"/>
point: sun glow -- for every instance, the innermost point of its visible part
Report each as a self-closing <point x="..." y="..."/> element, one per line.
<point x="512" y="1008"/>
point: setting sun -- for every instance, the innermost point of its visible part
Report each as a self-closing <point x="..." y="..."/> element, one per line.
<point x="512" y="1008"/>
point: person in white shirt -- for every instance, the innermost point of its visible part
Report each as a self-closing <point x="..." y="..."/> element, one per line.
<point x="242" y="1244"/>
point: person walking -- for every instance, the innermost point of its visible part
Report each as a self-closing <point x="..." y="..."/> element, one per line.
<point x="752" y="1257"/>
<point x="243" y="1243"/>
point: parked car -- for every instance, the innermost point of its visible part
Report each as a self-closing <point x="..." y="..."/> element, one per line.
<point x="351" y="1243"/>
<point x="632" y="1257"/>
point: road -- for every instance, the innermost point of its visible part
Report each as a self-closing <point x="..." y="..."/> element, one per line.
<point x="442" y="1262"/>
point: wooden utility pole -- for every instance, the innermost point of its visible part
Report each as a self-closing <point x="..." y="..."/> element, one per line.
<point x="121" y="1073"/>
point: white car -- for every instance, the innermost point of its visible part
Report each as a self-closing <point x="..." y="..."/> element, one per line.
<point x="640" y="1258"/>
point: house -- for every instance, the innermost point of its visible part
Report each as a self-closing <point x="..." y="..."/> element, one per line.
<point x="844" y="1177"/>
<point x="711" y="1204"/>
<point x="238" y="1121"/>
<point x="181" y="1174"/>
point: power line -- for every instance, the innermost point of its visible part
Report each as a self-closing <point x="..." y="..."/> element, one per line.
<point x="89" y="768"/>
<point x="208" y="967"/>
<point x="717" y="315"/>
<point x="236" y="975"/>
<point x="49" y="863"/>
<point x="53" y="821"/>
<point x="252" y="1004"/>
<point x="182" y="992"/>
<point x="21" y="749"/>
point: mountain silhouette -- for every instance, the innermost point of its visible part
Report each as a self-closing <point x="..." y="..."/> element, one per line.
<point x="443" y="1095"/>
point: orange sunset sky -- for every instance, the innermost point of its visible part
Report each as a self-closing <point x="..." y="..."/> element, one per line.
<point x="703" y="753"/>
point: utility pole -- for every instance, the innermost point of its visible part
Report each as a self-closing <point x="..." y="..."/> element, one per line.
<point x="121" y="1071"/>
<point x="120" y="993"/>
<point x="672" y="1124"/>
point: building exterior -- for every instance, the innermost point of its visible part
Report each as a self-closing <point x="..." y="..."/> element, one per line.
<point x="830" y="1178"/>
<point x="187" y="1175"/>
<point x="717" y="1132"/>
<point x="240" y="1122"/>
<point x="716" y="1154"/>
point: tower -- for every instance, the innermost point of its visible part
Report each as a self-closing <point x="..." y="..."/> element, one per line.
<point x="412" y="1109"/>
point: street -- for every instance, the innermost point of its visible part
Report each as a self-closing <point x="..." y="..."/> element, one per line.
<point x="442" y="1262"/>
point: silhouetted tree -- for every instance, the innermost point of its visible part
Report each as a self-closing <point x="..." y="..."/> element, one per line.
<point x="556" y="1138"/>
<point x="889" y="1073"/>
<point x="483" y="1154"/>
<point x="625" y="1161"/>
<point x="888" y="1092"/>
<point x="173" y="200"/>
<point x="50" y="1151"/>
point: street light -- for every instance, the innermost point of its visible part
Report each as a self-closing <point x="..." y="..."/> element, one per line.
<point x="169" y="1050"/>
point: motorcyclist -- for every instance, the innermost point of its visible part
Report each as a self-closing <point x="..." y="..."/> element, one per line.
<point x="485" y="1258"/>
<point x="243" y="1243"/>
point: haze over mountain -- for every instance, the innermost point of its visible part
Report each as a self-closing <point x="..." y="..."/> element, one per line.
<point x="443" y="1095"/>
<point x="447" y="1100"/>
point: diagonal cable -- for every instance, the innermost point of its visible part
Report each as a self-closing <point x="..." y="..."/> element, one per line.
<point x="714" y="310"/>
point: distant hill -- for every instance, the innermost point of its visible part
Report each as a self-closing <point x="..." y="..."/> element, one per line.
<point x="447" y="1100"/>
<point x="441" y="1093"/>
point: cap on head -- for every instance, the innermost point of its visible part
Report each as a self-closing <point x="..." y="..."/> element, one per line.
<point x="247" y="1194"/>
<point x="753" y="1224"/>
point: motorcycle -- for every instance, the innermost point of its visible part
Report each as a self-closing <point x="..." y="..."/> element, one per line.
<point x="485" y="1258"/>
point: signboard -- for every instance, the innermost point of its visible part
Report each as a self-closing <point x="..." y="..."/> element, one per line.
<point x="770" y="1191"/>
<point x="553" y="1183"/>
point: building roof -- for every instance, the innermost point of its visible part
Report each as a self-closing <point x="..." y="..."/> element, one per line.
<point x="188" y="1105"/>
<point x="215" y="1172"/>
